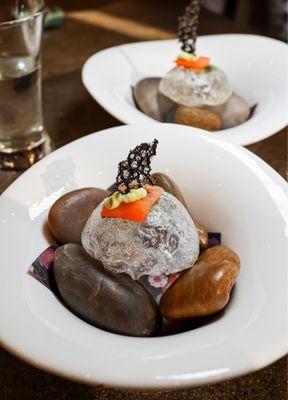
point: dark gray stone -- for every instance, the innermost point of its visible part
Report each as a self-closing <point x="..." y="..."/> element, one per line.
<point x="150" y="101"/>
<point x="110" y="301"/>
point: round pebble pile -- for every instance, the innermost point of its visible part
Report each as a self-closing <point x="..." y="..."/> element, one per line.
<point x="112" y="300"/>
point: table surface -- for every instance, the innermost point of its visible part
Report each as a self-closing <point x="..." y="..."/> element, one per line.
<point x="71" y="113"/>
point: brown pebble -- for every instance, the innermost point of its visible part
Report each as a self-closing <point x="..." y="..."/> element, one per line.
<point x="69" y="214"/>
<point x="197" y="117"/>
<point x="205" y="288"/>
<point x="164" y="181"/>
<point x="170" y="186"/>
<point x="203" y="236"/>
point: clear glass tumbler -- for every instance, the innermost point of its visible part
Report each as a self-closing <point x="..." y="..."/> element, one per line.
<point x="23" y="140"/>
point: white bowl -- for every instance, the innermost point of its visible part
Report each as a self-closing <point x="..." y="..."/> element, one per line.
<point x="228" y="189"/>
<point x="255" y="65"/>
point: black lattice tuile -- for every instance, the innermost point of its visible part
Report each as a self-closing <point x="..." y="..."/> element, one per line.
<point x="134" y="172"/>
<point x="187" y="26"/>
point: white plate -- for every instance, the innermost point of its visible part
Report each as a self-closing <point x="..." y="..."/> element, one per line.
<point x="256" y="67"/>
<point x="228" y="189"/>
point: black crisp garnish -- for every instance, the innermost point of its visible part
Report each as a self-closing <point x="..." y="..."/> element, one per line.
<point x="187" y="26"/>
<point x="134" y="172"/>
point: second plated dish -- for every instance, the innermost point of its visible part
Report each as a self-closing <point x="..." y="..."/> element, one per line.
<point x="255" y="67"/>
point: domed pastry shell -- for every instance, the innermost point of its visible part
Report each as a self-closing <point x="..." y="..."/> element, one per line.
<point x="190" y="88"/>
<point x="165" y="243"/>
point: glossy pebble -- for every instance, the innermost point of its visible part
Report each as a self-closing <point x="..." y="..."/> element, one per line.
<point x="205" y="288"/>
<point x="69" y="214"/>
<point x="113" y="302"/>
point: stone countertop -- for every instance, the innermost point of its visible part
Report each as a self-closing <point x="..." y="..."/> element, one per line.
<point x="71" y="113"/>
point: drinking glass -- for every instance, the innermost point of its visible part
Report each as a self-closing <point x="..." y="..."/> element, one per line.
<point x="23" y="140"/>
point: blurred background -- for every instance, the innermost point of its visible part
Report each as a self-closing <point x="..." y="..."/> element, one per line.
<point x="78" y="29"/>
<point x="264" y="17"/>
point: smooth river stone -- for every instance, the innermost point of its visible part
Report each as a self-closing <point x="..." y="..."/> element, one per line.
<point x="198" y="118"/>
<point x="69" y="214"/>
<point x="150" y="101"/>
<point x="205" y="288"/>
<point x="170" y="186"/>
<point x="203" y="236"/>
<point x="164" y="181"/>
<point x="113" y="302"/>
<point x="234" y="112"/>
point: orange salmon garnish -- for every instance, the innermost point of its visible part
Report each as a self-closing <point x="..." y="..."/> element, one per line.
<point x="136" y="211"/>
<point x="199" y="64"/>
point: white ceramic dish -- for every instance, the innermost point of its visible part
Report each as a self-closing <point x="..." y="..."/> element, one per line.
<point x="228" y="188"/>
<point x="256" y="66"/>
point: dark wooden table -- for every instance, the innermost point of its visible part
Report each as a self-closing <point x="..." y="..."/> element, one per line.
<point x="71" y="113"/>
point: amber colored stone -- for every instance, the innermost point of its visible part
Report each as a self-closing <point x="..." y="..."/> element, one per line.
<point x="198" y="118"/>
<point x="69" y="214"/>
<point x="111" y="301"/>
<point x="203" y="289"/>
